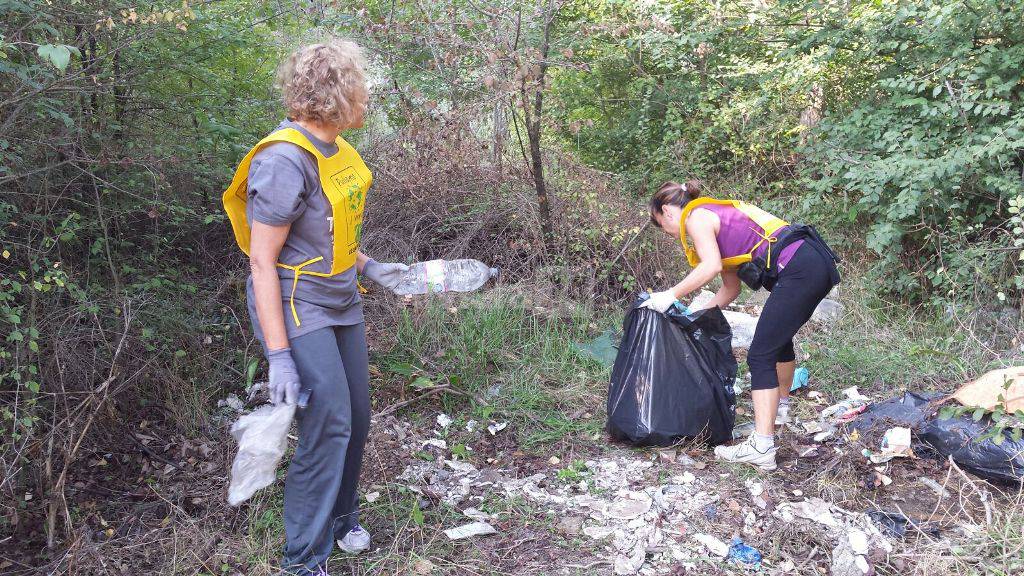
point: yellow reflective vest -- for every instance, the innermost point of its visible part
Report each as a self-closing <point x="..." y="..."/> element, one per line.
<point x="345" y="180"/>
<point x="767" y="226"/>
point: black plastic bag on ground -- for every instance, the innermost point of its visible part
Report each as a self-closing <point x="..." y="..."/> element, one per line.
<point x="958" y="437"/>
<point x="908" y="410"/>
<point x="673" y="378"/>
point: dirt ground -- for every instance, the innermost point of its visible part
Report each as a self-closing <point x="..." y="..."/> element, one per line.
<point x="154" y="503"/>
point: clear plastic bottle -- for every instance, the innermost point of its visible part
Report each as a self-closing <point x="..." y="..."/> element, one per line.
<point x="445" y="276"/>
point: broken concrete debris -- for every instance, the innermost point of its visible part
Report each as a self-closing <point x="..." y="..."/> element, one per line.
<point x="713" y="544"/>
<point x="854" y="533"/>
<point x="470" y="530"/>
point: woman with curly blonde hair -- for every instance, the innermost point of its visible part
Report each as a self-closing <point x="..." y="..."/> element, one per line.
<point x="296" y="207"/>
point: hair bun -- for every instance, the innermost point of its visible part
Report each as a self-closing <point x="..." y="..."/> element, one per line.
<point x="692" y="188"/>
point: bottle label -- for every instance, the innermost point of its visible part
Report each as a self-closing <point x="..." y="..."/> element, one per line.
<point x="434" y="272"/>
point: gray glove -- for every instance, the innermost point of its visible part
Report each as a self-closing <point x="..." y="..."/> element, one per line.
<point x="284" y="377"/>
<point x="388" y="275"/>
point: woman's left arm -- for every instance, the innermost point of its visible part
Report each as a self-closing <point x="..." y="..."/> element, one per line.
<point x="728" y="292"/>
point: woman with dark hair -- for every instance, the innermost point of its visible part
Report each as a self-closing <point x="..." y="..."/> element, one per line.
<point x="741" y="242"/>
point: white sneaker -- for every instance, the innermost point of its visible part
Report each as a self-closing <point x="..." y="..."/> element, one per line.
<point x="356" y="541"/>
<point x="782" y="416"/>
<point x="746" y="453"/>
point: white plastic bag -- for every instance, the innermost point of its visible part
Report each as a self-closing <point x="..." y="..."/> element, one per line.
<point x="262" y="437"/>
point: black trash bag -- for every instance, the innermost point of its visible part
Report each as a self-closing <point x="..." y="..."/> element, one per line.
<point x="957" y="437"/>
<point x="673" y="378"/>
<point x="908" y="410"/>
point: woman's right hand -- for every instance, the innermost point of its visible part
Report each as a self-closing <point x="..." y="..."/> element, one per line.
<point x="284" y="377"/>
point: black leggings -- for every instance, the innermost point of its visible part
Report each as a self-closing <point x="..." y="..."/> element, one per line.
<point x="802" y="285"/>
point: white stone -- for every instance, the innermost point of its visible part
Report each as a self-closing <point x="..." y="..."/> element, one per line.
<point x="858" y="541"/>
<point x="629" y="506"/>
<point x="714" y="545"/>
<point x="470" y="530"/>
<point x="598" y="532"/>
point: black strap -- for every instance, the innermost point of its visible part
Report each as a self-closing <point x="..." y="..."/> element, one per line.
<point x="810" y="235"/>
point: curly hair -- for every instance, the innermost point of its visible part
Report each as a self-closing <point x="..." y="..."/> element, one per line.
<point x="325" y="83"/>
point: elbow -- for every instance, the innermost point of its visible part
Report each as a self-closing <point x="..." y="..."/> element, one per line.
<point x="713" y="269"/>
<point x="260" y="266"/>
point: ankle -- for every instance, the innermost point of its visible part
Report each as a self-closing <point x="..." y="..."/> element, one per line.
<point x="763" y="442"/>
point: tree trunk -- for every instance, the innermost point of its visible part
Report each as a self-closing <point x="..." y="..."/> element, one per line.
<point x="500" y="134"/>
<point x="533" y="128"/>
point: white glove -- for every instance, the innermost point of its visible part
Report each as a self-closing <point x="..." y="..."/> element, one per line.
<point x="660" y="301"/>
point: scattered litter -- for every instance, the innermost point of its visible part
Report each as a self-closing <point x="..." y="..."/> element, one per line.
<point x="598" y="532"/>
<point x="474" y="514"/>
<point x="895" y="444"/>
<point x="443" y="420"/>
<point x="852" y="393"/>
<point x="740" y="553"/>
<point x="554" y="460"/>
<point x="496" y="427"/>
<point x="684" y="478"/>
<point x="812" y="427"/>
<point x="436" y="443"/>
<point x="856" y="535"/>
<point x="471" y="426"/>
<point x="844" y="411"/>
<point x="460" y="466"/>
<point x="470" y="530"/>
<point x="895" y="524"/>
<point x="631" y="562"/>
<point x="825" y="434"/>
<point x="629" y="505"/>
<point x="714" y="545"/>
<point x="800" y="379"/>
<point x="935" y="486"/>
<point x="372" y="497"/>
<point x="233" y="402"/>
<point x="262" y="437"/>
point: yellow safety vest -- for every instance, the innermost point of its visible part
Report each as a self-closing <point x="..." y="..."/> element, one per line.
<point x="767" y="225"/>
<point x="345" y="180"/>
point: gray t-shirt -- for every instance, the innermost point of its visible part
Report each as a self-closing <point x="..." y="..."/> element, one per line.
<point x="284" y="187"/>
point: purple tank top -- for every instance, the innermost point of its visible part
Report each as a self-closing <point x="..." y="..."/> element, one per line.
<point x="738" y="234"/>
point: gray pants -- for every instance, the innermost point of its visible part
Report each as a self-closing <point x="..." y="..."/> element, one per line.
<point x="320" y="500"/>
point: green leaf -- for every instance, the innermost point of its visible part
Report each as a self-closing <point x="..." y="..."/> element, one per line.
<point x="422" y="383"/>
<point x="417" y="514"/>
<point x="403" y="368"/>
<point x="979" y="414"/>
<point x="57" y="54"/>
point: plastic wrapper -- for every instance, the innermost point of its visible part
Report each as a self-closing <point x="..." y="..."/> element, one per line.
<point x="959" y="438"/>
<point x="673" y="378"/>
<point x="262" y="437"/>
